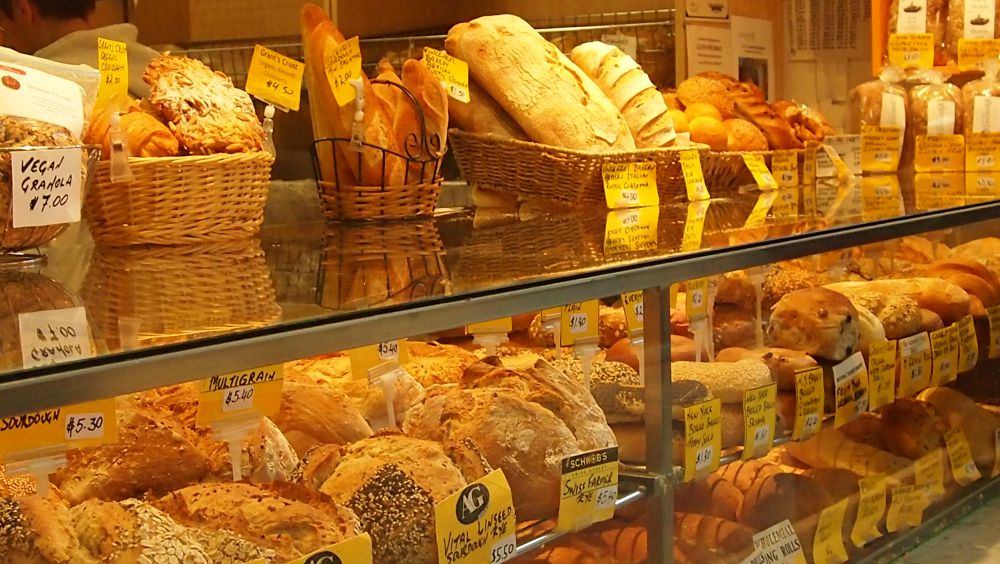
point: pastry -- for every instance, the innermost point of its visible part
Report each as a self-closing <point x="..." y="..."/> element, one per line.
<point x="751" y="106"/>
<point x="817" y="321"/>
<point x="143" y="134"/>
<point x="710" y="90"/>
<point x="744" y="136"/>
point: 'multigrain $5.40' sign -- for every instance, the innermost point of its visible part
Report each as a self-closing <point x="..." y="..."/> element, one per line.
<point x="476" y="525"/>
<point x="229" y="394"/>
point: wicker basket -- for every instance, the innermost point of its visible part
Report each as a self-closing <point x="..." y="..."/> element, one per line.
<point x="376" y="202"/>
<point x="726" y="172"/>
<point x="181" y="200"/>
<point x="531" y="170"/>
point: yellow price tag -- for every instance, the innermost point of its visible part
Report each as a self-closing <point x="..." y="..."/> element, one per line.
<point x="828" y="544"/>
<point x="928" y="473"/>
<point x="478" y="523"/>
<point x="994" y="317"/>
<point x="786" y="207"/>
<point x="589" y="489"/>
<point x="809" y="164"/>
<point x="363" y="359"/>
<point x="452" y="72"/>
<point x="982" y="152"/>
<point x="630" y="185"/>
<point x="968" y="344"/>
<point x="973" y="53"/>
<point x="702" y="439"/>
<point x="939" y="190"/>
<point x="635" y="310"/>
<point x="235" y="393"/>
<point x="944" y="347"/>
<point x="907" y="508"/>
<point x="758" y="216"/>
<point x="579" y="321"/>
<point x="759" y="420"/>
<point x="502" y="325"/>
<point x="880" y="148"/>
<point x="785" y="168"/>
<point x="916" y="364"/>
<point x="911" y="50"/>
<point x="808" y="403"/>
<point x="881" y="198"/>
<point x="758" y="168"/>
<point x="275" y="78"/>
<point x="343" y="64"/>
<point x="982" y="187"/>
<point x="937" y="153"/>
<point x="355" y="550"/>
<point x="697" y="298"/>
<point x="871" y="508"/>
<point x="882" y="374"/>
<point x="631" y="231"/>
<point x="694" y="178"/>
<point x="75" y="426"/>
<point x="112" y="62"/>
<point x="850" y="379"/>
<point x="694" y="226"/>
<point x="963" y="467"/>
<point x="809" y="200"/>
<point x="778" y="543"/>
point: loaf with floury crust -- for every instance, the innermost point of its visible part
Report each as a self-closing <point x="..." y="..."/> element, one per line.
<point x="548" y="95"/>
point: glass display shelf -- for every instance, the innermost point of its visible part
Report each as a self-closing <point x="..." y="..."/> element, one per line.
<point x="165" y="315"/>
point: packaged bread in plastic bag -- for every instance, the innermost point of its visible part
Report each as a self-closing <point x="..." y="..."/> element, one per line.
<point x="970" y="19"/>
<point x="879" y="102"/>
<point x="935" y="107"/>
<point x="921" y="16"/>
<point x="981" y="99"/>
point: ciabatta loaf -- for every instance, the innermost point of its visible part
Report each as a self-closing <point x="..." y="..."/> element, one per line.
<point x="483" y="115"/>
<point x="629" y="87"/>
<point x="546" y="93"/>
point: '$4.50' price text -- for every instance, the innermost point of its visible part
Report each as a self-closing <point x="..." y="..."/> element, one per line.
<point x="278" y="87"/>
<point x="84" y="426"/>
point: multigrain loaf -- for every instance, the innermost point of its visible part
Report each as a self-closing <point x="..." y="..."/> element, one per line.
<point x="37" y="530"/>
<point x="940" y="296"/>
<point x="313" y="414"/>
<point x="554" y="101"/>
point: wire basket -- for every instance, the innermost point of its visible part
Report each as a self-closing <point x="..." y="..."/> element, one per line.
<point x="348" y="194"/>
<point x="13" y="239"/>
<point x="181" y="200"/>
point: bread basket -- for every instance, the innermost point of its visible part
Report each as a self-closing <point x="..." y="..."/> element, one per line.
<point x="726" y="171"/>
<point x="180" y="200"/>
<point x="532" y="170"/>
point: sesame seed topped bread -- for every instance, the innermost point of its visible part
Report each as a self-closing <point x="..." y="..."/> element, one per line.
<point x="725" y="380"/>
<point x="38" y="530"/>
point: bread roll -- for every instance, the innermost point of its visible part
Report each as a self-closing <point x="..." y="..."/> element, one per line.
<point x="959" y="411"/>
<point x="784" y="279"/>
<point x="611" y="328"/>
<point x="743" y="474"/>
<point x="870" y="330"/>
<point x="708" y="89"/>
<point x="817" y="321"/>
<point x="316" y="467"/>
<point x="614" y="386"/>
<point x="711" y="496"/>
<point x="624" y="81"/>
<point x="911" y="428"/>
<point x="546" y="93"/>
<point x="777" y="497"/>
<point x="37" y="529"/>
<point x="484" y="116"/>
<point x="744" y="136"/>
<point x="971" y="275"/>
<point x="943" y="298"/>
<point x="709" y="131"/>
<point x="712" y="532"/>
<point x="930" y="321"/>
<point x="783" y="363"/>
<point x="313" y="415"/>
<point x="733" y="326"/>
<point x="726" y="380"/>
<point x="837" y="482"/>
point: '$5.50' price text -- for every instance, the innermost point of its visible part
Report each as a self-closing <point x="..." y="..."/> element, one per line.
<point x="84" y="426"/>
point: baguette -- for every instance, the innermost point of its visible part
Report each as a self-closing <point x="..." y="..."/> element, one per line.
<point x="433" y="101"/>
<point x="484" y="116"/>
<point x="712" y="532"/>
<point x="545" y="92"/>
<point x="943" y="298"/>
<point x="831" y="448"/>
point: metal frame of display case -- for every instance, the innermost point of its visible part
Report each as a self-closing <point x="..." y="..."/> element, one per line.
<point x="138" y="370"/>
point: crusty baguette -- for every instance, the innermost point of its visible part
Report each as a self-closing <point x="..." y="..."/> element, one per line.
<point x="943" y="298"/>
<point x="712" y="532"/>
<point x="483" y="115"/>
<point x="831" y="448"/>
<point x="751" y="106"/>
<point x="624" y="81"/>
<point x="546" y="93"/>
<point x="433" y="100"/>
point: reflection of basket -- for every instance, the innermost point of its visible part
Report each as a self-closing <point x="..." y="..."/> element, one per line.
<point x="531" y="170"/>
<point x="347" y="194"/>
<point x="181" y="200"/>
<point x="365" y="266"/>
<point x="177" y="293"/>
<point x="726" y="172"/>
<point x="17" y="239"/>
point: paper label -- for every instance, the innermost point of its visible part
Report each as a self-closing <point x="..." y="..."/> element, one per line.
<point x="779" y="543"/>
<point x="694" y="179"/>
<point x="629" y="44"/>
<point x="631" y="231"/>
<point x="963" y="467"/>
<point x="977" y="22"/>
<point x="939" y="190"/>
<point x="635" y="310"/>
<point x="940" y="153"/>
<point x="893" y="112"/>
<point x="759" y="420"/>
<point x="881" y="198"/>
<point x="944" y="347"/>
<point x="112" y="62"/>
<point x="477" y="524"/>
<point x="973" y="53"/>
<point x="46" y="186"/>
<point x="912" y="20"/>
<point x="808" y="403"/>
<point x="579" y="321"/>
<point x="871" y="507"/>
<point x="630" y="185"/>
<point x="694" y="226"/>
<point x="785" y="169"/>
<point x="588" y="489"/>
<point x="54" y="336"/>
<point x="916" y="364"/>
<point x="809" y="205"/>
<point x="702" y="439"/>
<point x="357" y="550"/>
<point x="342" y="64"/>
<point x="501" y="325"/>
<point x="828" y="544"/>
<point x="758" y="168"/>
<point x="880" y="148"/>
<point x="809" y="164"/>
<point x="940" y="117"/>
<point x="881" y="374"/>
<point x="697" y="298"/>
<point x="33" y="94"/>
<point x="911" y="51"/>
<point x="452" y="72"/>
<point x="982" y="186"/>
<point x="76" y="426"/>
<point x="994" y="317"/>
<point x="851" y="384"/>
<point x="758" y="216"/>
<point x="275" y="78"/>
<point x="986" y="114"/>
<point x="928" y="473"/>
<point x="847" y="149"/>
<point x="786" y="207"/>
<point x="222" y="396"/>
<point x="907" y="508"/>
<point x="982" y="152"/>
<point x="365" y="358"/>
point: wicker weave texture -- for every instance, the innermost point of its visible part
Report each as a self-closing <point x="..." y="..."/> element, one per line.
<point x="345" y="202"/>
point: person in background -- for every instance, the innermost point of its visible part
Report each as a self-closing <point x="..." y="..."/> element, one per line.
<point x="59" y="30"/>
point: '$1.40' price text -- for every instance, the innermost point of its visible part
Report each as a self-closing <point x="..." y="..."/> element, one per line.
<point x="84" y="426"/>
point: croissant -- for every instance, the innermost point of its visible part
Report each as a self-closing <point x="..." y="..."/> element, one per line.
<point x="144" y="135"/>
